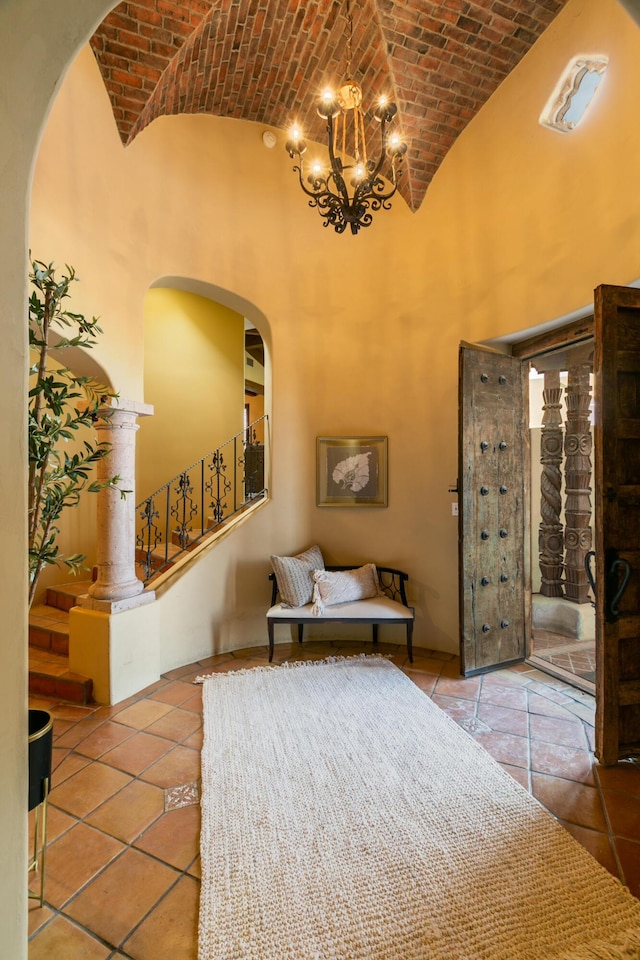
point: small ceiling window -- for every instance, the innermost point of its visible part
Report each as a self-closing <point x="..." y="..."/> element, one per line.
<point x="574" y="91"/>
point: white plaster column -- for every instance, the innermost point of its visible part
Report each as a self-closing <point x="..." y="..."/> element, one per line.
<point x="117" y="580"/>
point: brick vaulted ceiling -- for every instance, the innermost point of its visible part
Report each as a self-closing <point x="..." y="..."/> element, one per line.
<point x="268" y="60"/>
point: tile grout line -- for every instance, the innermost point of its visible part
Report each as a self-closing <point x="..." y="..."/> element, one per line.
<point x="529" y="770"/>
<point x="607" y="820"/>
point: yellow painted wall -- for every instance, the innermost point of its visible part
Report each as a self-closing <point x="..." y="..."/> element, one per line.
<point x="362" y="332"/>
<point x="194" y="377"/>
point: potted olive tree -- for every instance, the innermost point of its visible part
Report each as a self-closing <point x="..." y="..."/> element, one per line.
<point x="63" y="407"/>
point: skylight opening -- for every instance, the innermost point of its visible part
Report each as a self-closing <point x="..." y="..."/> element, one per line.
<point x="573" y="93"/>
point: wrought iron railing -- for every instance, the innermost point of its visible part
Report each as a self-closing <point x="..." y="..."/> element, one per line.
<point x="199" y="499"/>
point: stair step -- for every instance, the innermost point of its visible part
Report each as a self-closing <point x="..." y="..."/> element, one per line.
<point x="49" y="629"/>
<point x="156" y="560"/>
<point x="49" y="676"/>
<point x="65" y="595"/>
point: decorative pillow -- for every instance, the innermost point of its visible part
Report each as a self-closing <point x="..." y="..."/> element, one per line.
<point x="294" y="576"/>
<point x="342" y="586"/>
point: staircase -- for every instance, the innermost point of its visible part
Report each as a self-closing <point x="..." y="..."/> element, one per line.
<point x="49" y="674"/>
<point x="200" y="499"/>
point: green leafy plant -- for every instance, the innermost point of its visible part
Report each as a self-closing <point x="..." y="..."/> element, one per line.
<point x="62" y="407"/>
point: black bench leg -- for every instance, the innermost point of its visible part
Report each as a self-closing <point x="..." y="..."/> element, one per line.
<point x="410" y="641"/>
<point x="300" y="633"/>
<point x="374" y="631"/>
<point x="270" y="627"/>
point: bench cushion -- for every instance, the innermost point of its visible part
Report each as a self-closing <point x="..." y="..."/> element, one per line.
<point x="375" y="608"/>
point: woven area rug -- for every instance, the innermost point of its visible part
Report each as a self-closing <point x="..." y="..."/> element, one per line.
<point x="345" y="816"/>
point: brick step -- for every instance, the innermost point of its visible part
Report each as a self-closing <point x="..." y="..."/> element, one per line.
<point x="63" y="596"/>
<point x="49" y="676"/>
<point x="49" y="629"/>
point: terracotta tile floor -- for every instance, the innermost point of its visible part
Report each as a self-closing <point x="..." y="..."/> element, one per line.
<point x="573" y="656"/>
<point x="123" y="865"/>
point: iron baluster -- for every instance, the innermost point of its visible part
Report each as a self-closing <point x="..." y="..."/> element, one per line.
<point x="203" y="524"/>
<point x="157" y="545"/>
<point x="253" y="462"/>
<point x="242" y="462"/>
<point x="149" y="537"/>
<point x="167" y="522"/>
<point x="220" y="483"/>
<point x="235" y="474"/>
<point x="184" y="510"/>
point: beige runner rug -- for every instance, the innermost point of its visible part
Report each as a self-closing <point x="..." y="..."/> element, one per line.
<point x="346" y="817"/>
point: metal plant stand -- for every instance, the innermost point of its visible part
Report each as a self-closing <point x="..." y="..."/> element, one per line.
<point x="40" y="754"/>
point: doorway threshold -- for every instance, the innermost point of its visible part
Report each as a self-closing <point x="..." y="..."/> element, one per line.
<point x="573" y="679"/>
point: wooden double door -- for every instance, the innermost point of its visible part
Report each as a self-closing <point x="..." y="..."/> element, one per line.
<point x="494" y="523"/>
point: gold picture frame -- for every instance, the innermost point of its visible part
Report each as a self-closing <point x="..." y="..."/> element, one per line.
<point x="351" y="471"/>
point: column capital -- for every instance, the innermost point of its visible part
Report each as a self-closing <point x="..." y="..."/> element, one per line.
<point x="133" y="407"/>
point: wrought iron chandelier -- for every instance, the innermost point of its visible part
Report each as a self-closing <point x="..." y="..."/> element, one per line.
<point x="352" y="188"/>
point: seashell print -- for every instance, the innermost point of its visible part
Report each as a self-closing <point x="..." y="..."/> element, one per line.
<point x="353" y="473"/>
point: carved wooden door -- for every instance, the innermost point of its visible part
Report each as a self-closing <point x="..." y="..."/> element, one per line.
<point x="617" y="528"/>
<point x="493" y="523"/>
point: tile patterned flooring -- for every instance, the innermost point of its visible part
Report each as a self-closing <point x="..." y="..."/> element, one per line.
<point x="573" y="656"/>
<point x="123" y="864"/>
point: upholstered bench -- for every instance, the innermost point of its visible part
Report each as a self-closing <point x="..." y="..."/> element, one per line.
<point x="390" y="607"/>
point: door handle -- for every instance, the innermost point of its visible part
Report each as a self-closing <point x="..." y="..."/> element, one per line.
<point x="613" y="610"/>
<point x="614" y="588"/>
<point x="587" y="566"/>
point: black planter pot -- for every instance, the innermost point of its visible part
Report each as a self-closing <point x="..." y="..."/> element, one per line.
<point x="40" y="754"/>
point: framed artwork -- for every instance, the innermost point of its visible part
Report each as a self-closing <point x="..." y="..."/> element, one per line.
<point x="351" y="471"/>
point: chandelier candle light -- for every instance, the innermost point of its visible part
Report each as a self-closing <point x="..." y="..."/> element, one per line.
<point x="338" y="202"/>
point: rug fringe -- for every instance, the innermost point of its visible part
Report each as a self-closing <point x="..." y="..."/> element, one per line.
<point x="292" y="665"/>
<point x="626" y="946"/>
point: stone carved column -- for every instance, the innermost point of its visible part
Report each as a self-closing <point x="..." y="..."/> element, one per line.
<point x="550" y="536"/>
<point x="117" y="580"/>
<point x="577" y="447"/>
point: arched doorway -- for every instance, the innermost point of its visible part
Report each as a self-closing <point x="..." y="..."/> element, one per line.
<point x="35" y="39"/>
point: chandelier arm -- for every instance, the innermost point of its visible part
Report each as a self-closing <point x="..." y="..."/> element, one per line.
<point x="374" y="195"/>
<point x="317" y="192"/>
<point x="335" y="164"/>
<point x="384" y="156"/>
<point x="373" y="185"/>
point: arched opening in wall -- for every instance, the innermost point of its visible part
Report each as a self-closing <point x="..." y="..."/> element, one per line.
<point x="254" y="411"/>
<point x="205" y="373"/>
<point x="201" y="457"/>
